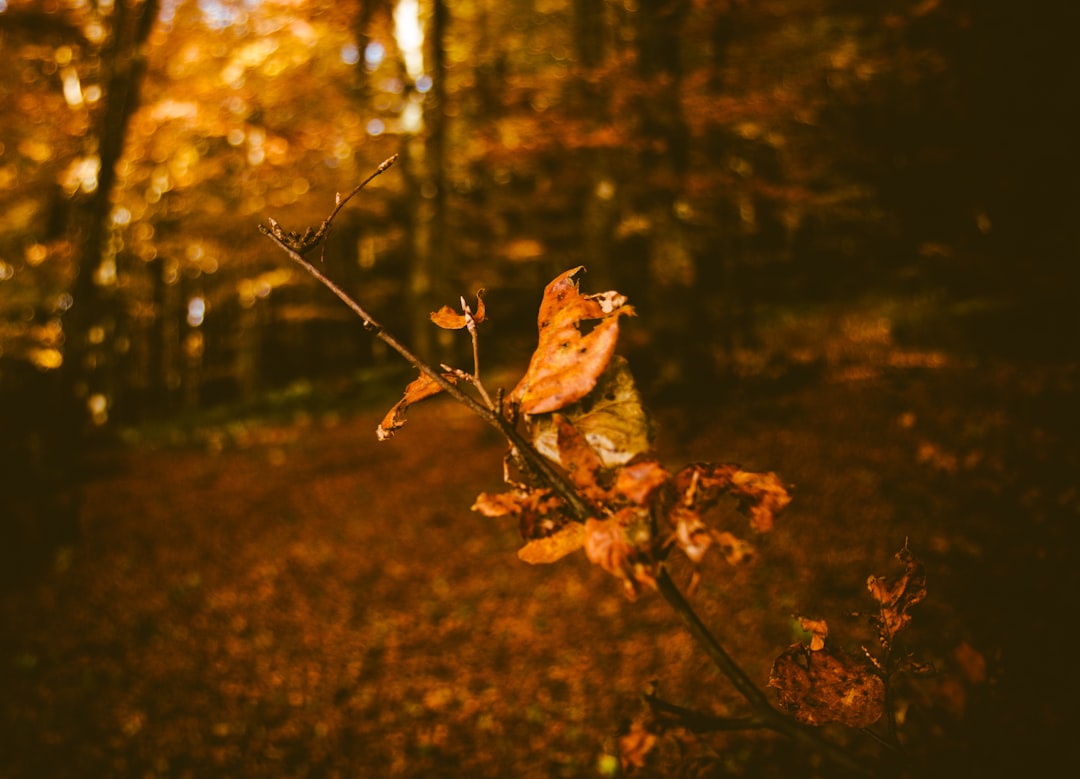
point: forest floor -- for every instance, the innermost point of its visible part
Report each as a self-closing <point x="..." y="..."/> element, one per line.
<point x="291" y="598"/>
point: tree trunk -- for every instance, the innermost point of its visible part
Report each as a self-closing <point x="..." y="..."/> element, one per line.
<point x="67" y="425"/>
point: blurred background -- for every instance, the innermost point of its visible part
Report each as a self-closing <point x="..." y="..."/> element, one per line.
<point x="728" y="165"/>
<point x="781" y="187"/>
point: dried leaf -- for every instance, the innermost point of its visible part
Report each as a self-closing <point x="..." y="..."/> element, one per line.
<point x="735" y="550"/>
<point x="539" y="512"/>
<point x="828" y="686"/>
<point x="577" y="338"/>
<point x="623" y="545"/>
<point x="818" y="630"/>
<point x="691" y="534"/>
<point x="418" y="389"/>
<point x="448" y="319"/>
<point x="639" y="481"/>
<point x="611" y="417"/>
<point x="554" y="547"/>
<point x="897" y="598"/>
<point x="582" y="464"/>
<point x="761" y="495"/>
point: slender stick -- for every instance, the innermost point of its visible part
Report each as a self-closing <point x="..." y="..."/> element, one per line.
<point x="341" y="201"/>
<point x="535" y="461"/>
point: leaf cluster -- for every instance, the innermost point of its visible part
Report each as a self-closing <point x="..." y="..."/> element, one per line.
<point x="581" y="410"/>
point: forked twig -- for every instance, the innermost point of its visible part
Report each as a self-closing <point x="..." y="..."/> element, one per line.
<point x="303" y="243"/>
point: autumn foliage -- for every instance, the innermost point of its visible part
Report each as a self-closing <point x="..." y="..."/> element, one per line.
<point x="582" y="411"/>
<point x="581" y="473"/>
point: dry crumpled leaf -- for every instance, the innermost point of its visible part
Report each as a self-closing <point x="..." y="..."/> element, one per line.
<point x="552" y="548"/>
<point x="550" y="534"/>
<point x="422" y="387"/>
<point x="623" y="545"/>
<point x="611" y="417"/>
<point x="897" y="598"/>
<point x="448" y="319"/>
<point x="818" y="630"/>
<point x="760" y="495"/>
<point x="819" y="687"/>
<point x="577" y="338"/>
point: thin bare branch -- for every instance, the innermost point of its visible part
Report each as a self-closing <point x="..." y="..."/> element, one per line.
<point x="534" y="462"/>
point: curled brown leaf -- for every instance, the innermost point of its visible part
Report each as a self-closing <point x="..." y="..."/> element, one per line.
<point x="577" y="335"/>
<point x="420" y="388"/>
<point x="895" y="599"/>
<point x="448" y="319"/>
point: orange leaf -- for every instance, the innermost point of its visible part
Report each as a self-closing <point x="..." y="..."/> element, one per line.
<point x="554" y="547"/>
<point x="763" y="495"/>
<point x="539" y="513"/>
<point x="448" y="319"/>
<point x="818" y="630"/>
<point x="577" y="338"/>
<point x="637" y="482"/>
<point x="581" y="462"/>
<point x="895" y="599"/>
<point x="623" y="545"/>
<point x="418" y="389"/>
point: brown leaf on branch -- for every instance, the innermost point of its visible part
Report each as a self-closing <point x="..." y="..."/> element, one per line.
<point x="577" y="338"/>
<point x="552" y="548"/>
<point x="449" y="319"/>
<point x="819" y="687"/>
<point x="623" y="545"/>
<point x="818" y="630"/>
<point x="420" y="388"/>
<point x="897" y="598"/>
<point x="582" y="464"/>
<point x="611" y="417"/>
<point x="638" y="482"/>
<point x="761" y="495"/>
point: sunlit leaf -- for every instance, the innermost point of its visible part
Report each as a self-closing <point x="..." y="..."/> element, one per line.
<point x="623" y="545"/>
<point x="818" y="630"/>
<point x="638" y="482"/>
<point x="577" y="338"/>
<point x="582" y="464"/>
<point x="448" y="319"/>
<point x="420" y="388"/>
<point x="897" y="598"/>
<point x="611" y="417"/>
<point x="554" y="547"/>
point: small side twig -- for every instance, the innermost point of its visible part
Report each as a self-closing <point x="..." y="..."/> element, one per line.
<point x="699" y="721"/>
<point x="310" y="238"/>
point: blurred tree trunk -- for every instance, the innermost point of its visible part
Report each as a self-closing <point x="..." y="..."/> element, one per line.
<point x="122" y="65"/>
<point x="426" y="165"/>
<point x="600" y="211"/>
<point x="665" y="138"/>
